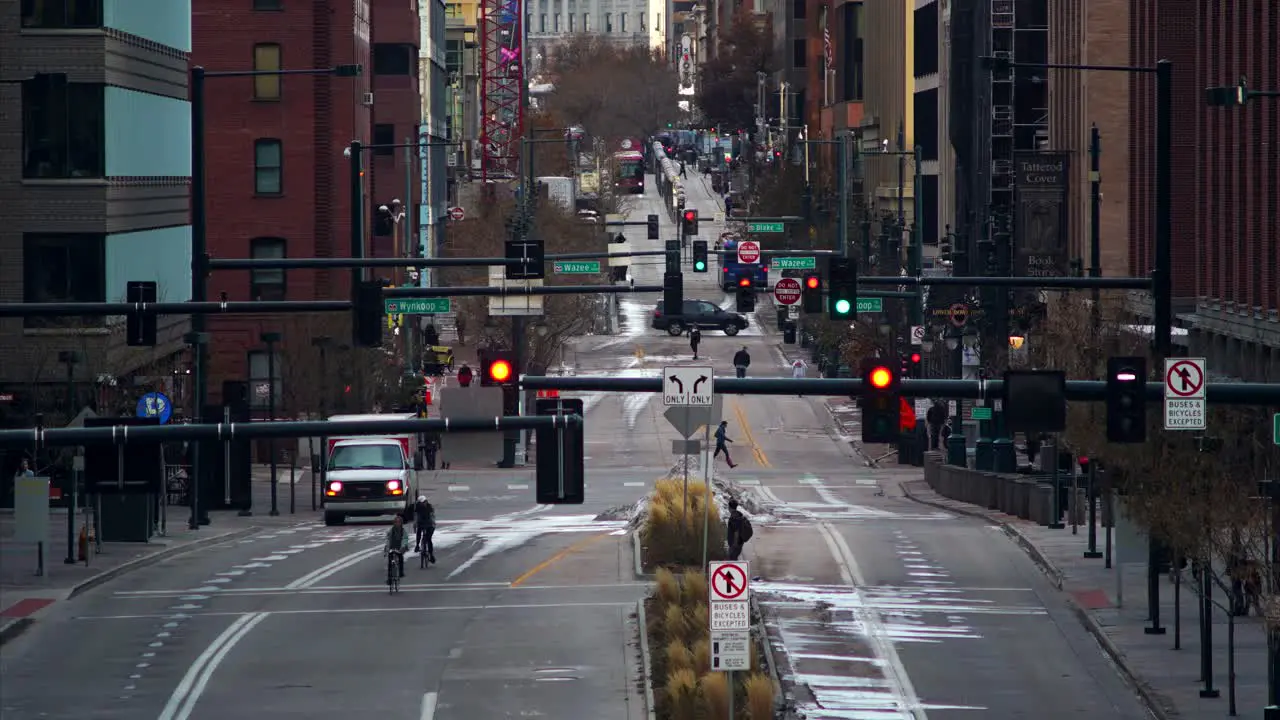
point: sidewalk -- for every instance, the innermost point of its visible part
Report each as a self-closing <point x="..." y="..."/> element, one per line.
<point x="1169" y="680"/>
<point x="24" y="596"/>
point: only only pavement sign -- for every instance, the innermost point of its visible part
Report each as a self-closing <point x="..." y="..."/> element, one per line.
<point x="730" y="580"/>
<point x="1184" y="394"/>
<point x="688" y="385"/>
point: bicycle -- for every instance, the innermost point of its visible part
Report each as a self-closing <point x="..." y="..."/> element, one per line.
<point x="393" y="573"/>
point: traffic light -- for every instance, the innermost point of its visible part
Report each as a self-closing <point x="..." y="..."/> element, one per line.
<point x="689" y="223"/>
<point x="746" y="298"/>
<point x="673" y="294"/>
<point x="653" y="227"/>
<point x="880" y="403"/>
<point x="842" y="297"/>
<point x="911" y="364"/>
<point x="368" y="314"/>
<point x="497" y="367"/>
<point x="811" y="294"/>
<point x="945" y="248"/>
<point x="140" y="325"/>
<point x="560" y="475"/>
<point x="1127" y="399"/>
<point x="699" y="256"/>
<point x="528" y="257"/>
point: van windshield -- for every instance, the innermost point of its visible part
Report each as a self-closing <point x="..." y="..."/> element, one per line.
<point x="366" y="457"/>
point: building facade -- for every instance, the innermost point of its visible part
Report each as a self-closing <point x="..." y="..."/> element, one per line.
<point x="94" y="191"/>
<point x="278" y="178"/>
<point x="887" y="126"/>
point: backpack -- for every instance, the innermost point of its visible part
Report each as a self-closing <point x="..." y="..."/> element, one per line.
<point x="746" y="531"/>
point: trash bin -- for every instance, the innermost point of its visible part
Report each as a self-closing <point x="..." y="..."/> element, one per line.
<point x="789" y="334"/>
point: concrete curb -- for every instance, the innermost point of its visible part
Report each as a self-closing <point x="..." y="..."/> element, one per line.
<point x="12" y="630"/>
<point x="1154" y="702"/>
<point x="637" y="552"/>
<point x="779" y="700"/>
<point x="645" y="661"/>
<point x="153" y="558"/>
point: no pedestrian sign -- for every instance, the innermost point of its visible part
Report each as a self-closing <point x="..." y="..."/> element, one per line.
<point x="1184" y="394"/>
<point x="729" y="581"/>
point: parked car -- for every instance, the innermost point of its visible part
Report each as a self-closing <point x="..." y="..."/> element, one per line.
<point x="703" y="314"/>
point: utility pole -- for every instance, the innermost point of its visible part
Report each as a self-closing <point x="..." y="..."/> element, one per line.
<point x="842" y="187"/>
<point x="915" y="266"/>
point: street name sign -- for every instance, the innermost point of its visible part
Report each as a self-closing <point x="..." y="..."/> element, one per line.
<point x="730" y="615"/>
<point x="796" y="263"/>
<point x="870" y="305"/>
<point x="765" y="227"/>
<point x="688" y="385"/>
<point x="980" y="413"/>
<point x="730" y="580"/>
<point x="1275" y="429"/>
<point x="416" y="306"/>
<point x="590" y="267"/>
<point x="730" y="650"/>
<point x="749" y="252"/>
<point x="1184" y="394"/>
<point x="787" y="291"/>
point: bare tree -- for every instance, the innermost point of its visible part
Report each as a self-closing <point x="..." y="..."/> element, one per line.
<point x="728" y="87"/>
<point x="613" y="91"/>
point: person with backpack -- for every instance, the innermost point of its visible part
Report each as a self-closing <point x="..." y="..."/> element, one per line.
<point x="425" y="522"/>
<point x="741" y="361"/>
<point x="738" y="531"/>
<point x="722" y="437"/>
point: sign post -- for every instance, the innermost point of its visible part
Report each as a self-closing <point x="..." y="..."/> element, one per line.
<point x="1184" y="400"/>
<point x="729" y="587"/>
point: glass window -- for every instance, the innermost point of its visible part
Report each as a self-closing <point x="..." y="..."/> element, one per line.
<point x="572" y="24"/>
<point x="267" y="284"/>
<point x="586" y="22"/>
<point x="453" y="10"/>
<point x="63" y="129"/>
<point x="622" y="22"/>
<point x="557" y="23"/>
<point x="384" y="134"/>
<point x="266" y="57"/>
<point x="261" y="385"/>
<point x="608" y="22"/>
<point x="268" y="5"/>
<point x="268" y="167"/>
<point x="798" y="59"/>
<point x="55" y="14"/>
<point x="367" y="457"/>
<point x="395" y="59"/>
<point x="63" y="267"/>
<point x="798" y="9"/>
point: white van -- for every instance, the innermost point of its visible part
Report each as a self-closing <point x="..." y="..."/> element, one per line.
<point x="371" y="475"/>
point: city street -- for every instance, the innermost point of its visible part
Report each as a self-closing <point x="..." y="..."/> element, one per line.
<point x="876" y="605"/>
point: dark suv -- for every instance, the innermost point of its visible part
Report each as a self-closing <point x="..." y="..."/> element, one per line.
<point x="705" y="315"/>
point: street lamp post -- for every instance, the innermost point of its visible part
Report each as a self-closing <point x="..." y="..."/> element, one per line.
<point x="71" y="358"/>
<point x="271" y="338"/>
<point x="321" y="343"/>
<point x="198" y="338"/>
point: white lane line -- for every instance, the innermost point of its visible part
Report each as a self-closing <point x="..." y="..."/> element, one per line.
<point x="517" y="486"/>
<point x="332" y="568"/>
<point x="428" y="707"/>
<point x="358" y="589"/>
<point x="424" y="608"/>
<point x="458" y="488"/>
<point x="184" y="697"/>
<point x="634" y="484"/>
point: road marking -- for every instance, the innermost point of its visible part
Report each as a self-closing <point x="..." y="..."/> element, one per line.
<point x="876" y="634"/>
<point x="329" y="611"/>
<point x="428" y="707"/>
<point x="458" y="488"/>
<point x="184" y="697"/>
<point x="556" y="558"/>
<point x="380" y="588"/>
<point x="756" y="450"/>
<point x="518" y="486"/>
<point x="635" y="484"/>
<point x="332" y="568"/>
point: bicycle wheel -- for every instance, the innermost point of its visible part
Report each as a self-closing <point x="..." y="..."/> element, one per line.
<point x="422" y="560"/>
<point x="393" y="577"/>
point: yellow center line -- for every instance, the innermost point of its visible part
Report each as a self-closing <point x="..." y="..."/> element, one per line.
<point x="556" y="558"/>
<point x="756" y="450"/>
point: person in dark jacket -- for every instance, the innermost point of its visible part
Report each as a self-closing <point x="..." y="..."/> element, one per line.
<point x="722" y="438"/>
<point x="736" y="533"/>
<point x="935" y="418"/>
<point x="742" y="361"/>
<point x="425" y="523"/>
<point x="695" y="339"/>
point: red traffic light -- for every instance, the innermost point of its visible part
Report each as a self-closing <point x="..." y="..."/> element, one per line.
<point x="812" y="282"/>
<point x="915" y="357"/>
<point x="881" y="377"/>
<point x="744" y="282"/>
<point x="690" y="215"/>
<point x="500" y="371"/>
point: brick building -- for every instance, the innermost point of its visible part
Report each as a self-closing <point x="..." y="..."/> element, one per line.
<point x="277" y="176"/>
<point x="1226" y="167"/>
<point x="95" y="148"/>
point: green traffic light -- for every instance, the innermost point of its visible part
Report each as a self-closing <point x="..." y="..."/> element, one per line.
<point x="843" y="306"/>
<point x="700" y="266"/>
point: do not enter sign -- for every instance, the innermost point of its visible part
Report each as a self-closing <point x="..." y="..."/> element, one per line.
<point x="749" y="251"/>
<point x="787" y="291"/>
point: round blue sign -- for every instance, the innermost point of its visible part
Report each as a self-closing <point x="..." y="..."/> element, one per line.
<point x="155" y="404"/>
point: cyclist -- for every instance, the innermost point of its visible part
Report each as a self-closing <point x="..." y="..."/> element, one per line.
<point x="425" y="522"/>
<point x="397" y="542"/>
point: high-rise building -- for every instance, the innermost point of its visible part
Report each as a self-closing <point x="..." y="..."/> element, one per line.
<point x="95" y="150"/>
<point x="279" y="183"/>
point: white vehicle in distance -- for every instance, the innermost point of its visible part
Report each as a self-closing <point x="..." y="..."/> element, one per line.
<point x="370" y="475"/>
